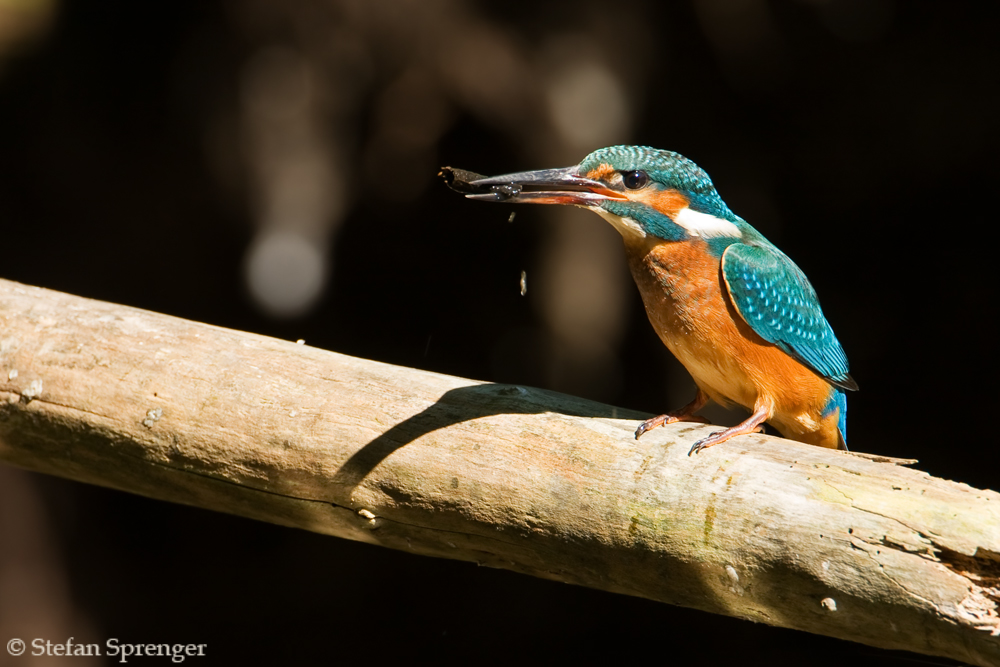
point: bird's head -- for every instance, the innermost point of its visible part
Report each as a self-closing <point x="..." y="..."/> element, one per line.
<point x="641" y="191"/>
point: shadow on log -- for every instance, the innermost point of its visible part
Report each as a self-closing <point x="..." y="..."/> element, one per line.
<point x="524" y="479"/>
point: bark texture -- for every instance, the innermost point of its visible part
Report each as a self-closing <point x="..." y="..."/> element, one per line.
<point x="553" y="486"/>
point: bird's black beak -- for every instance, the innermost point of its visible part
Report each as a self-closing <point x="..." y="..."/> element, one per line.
<point x="546" y="186"/>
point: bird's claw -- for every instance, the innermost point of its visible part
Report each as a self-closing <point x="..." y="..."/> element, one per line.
<point x="717" y="437"/>
<point x="645" y="426"/>
<point x="704" y="443"/>
<point x="663" y="420"/>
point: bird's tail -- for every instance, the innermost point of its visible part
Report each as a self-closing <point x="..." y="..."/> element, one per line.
<point x="838" y="402"/>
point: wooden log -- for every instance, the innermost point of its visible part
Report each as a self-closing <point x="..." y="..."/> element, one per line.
<point x="513" y="477"/>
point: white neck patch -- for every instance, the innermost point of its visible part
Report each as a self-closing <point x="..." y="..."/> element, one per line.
<point x="705" y="225"/>
<point x="694" y="223"/>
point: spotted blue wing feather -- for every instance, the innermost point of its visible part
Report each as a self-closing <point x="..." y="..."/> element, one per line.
<point x="775" y="298"/>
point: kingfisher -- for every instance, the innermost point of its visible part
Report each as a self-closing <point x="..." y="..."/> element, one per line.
<point x="739" y="315"/>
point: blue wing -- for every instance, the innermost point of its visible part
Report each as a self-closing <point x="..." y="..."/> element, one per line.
<point x="775" y="298"/>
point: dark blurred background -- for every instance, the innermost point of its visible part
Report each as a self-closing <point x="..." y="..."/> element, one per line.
<point x="270" y="165"/>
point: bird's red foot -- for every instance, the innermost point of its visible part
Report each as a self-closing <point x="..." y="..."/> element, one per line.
<point x="685" y="414"/>
<point x="663" y="420"/>
<point x="751" y="425"/>
<point x="722" y="436"/>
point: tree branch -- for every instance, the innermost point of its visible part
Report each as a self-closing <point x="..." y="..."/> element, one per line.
<point x="512" y="477"/>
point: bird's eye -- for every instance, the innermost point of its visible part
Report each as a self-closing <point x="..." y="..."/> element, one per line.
<point x="634" y="180"/>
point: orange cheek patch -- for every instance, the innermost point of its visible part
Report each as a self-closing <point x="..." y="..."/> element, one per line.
<point x="600" y="171"/>
<point x="670" y="202"/>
